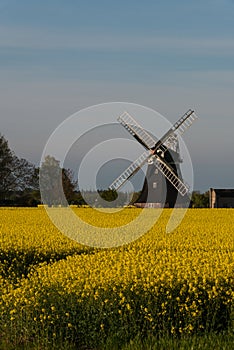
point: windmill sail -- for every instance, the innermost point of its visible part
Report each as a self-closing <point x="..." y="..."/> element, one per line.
<point x="171" y="176"/>
<point x="180" y="127"/>
<point x="136" y="130"/>
<point x="185" y="122"/>
<point x="130" y="171"/>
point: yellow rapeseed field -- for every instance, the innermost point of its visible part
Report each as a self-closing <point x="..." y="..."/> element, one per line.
<point x="169" y="283"/>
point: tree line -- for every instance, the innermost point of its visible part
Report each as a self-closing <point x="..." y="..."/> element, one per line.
<point x="20" y="185"/>
<point x="19" y="178"/>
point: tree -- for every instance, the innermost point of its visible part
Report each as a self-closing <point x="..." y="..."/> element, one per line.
<point x="56" y="184"/>
<point x="6" y="160"/>
<point x="200" y="200"/>
<point x="69" y="184"/>
<point x="15" y="173"/>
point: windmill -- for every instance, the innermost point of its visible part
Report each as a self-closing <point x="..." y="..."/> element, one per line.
<point x="163" y="185"/>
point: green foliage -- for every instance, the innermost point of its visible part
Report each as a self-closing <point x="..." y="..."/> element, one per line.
<point x="93" y="322"/>
<point x="207" y="341"/>
<point x="15" y="174"/>
<point x="200" y="200"/>
<point x="56" y="184"/>
<point x="108" y="195"/>
<point x="101" y="198"/>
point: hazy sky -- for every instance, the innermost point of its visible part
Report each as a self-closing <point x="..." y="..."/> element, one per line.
<point x="57" y="57"/>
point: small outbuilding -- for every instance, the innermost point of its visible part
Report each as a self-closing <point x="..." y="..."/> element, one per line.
<point x="221" y="198"/>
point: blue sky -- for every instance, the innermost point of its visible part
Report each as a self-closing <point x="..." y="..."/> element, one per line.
<point x="57" y="57"/>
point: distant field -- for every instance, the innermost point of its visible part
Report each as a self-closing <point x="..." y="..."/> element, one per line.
<point x="168" y="286"/>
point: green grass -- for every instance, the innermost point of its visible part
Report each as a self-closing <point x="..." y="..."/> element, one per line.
<point x="205" y="342"/>
<point x="208" y="341"/>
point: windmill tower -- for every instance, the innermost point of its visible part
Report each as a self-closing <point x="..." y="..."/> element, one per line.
<point x="157" y="190"/>
<point x="163" y="182"/>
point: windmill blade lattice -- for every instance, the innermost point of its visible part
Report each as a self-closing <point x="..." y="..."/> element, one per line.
<point x="136" y="130"/>
<point x="140" y="134"/>
<point x="171" y="176"/>
<point x="185" y="122"/>
<point x="180" y="127"/>
<point x="130" y="171"/>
